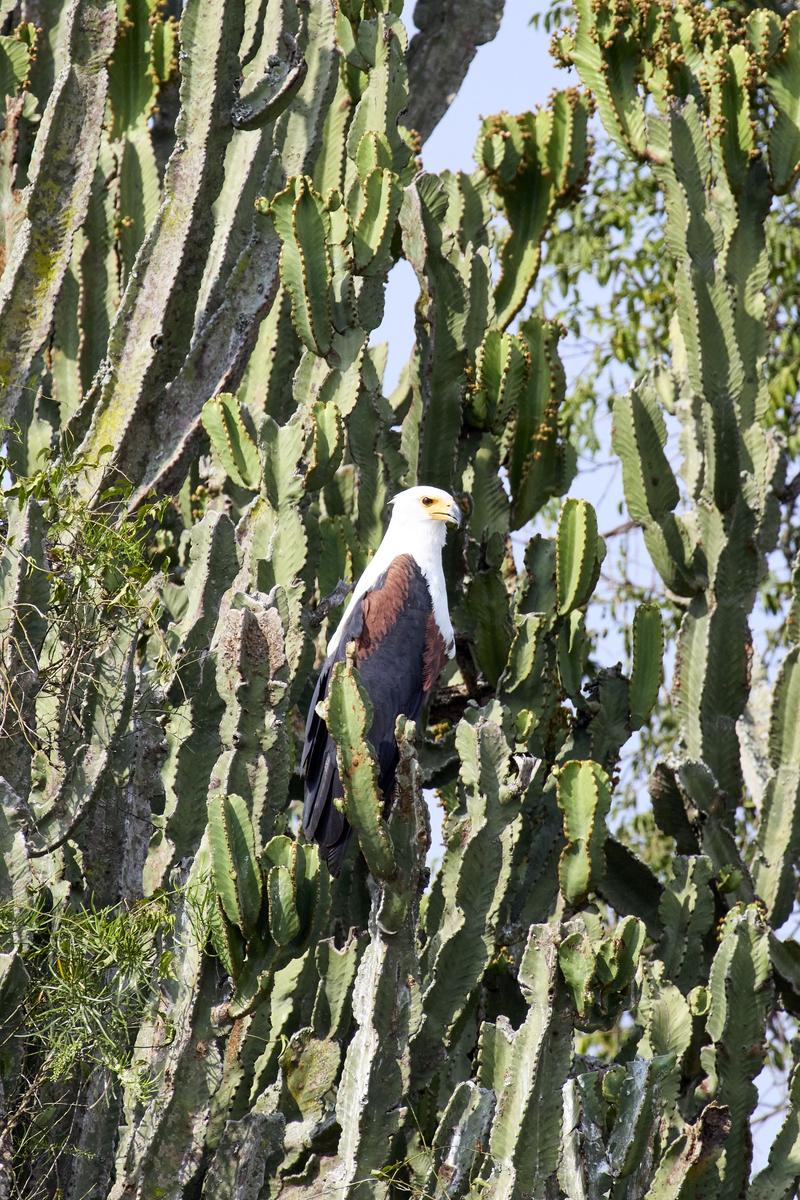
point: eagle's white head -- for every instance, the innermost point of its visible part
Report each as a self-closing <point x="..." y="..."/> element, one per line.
<point x="418" y="526"/>
<point x="422" y="504"/>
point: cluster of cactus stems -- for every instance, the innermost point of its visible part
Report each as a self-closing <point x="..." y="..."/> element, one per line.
<point x="202" y="327"/>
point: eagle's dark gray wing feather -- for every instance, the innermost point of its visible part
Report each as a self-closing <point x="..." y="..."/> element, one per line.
<point x="399" y="652"/>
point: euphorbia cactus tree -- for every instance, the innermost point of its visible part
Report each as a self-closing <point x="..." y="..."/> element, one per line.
<point x="200" y="449"/>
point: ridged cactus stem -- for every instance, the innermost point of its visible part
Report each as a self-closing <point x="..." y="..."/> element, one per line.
<point x="376" y="1073"/>
<point x="56" y="203"/>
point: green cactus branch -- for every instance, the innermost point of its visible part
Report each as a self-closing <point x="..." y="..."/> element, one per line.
<point x="67" y="145"/>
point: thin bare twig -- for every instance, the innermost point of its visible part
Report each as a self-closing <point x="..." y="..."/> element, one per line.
<point x="625" y="527"/>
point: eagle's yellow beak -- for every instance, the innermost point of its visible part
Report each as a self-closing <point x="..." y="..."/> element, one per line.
<point x="440" y="510"/>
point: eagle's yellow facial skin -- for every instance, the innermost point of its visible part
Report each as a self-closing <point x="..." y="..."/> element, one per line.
<point x="418" y="506"/>
<point x="439" y="510"/>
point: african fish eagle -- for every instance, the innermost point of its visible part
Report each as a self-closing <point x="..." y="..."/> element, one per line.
<point x="398" y="618"/>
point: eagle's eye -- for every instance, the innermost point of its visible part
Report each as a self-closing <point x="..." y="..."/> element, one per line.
<point x="427" y="501"/>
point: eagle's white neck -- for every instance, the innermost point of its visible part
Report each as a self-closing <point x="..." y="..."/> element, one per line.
<point x="424" y="541"/>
